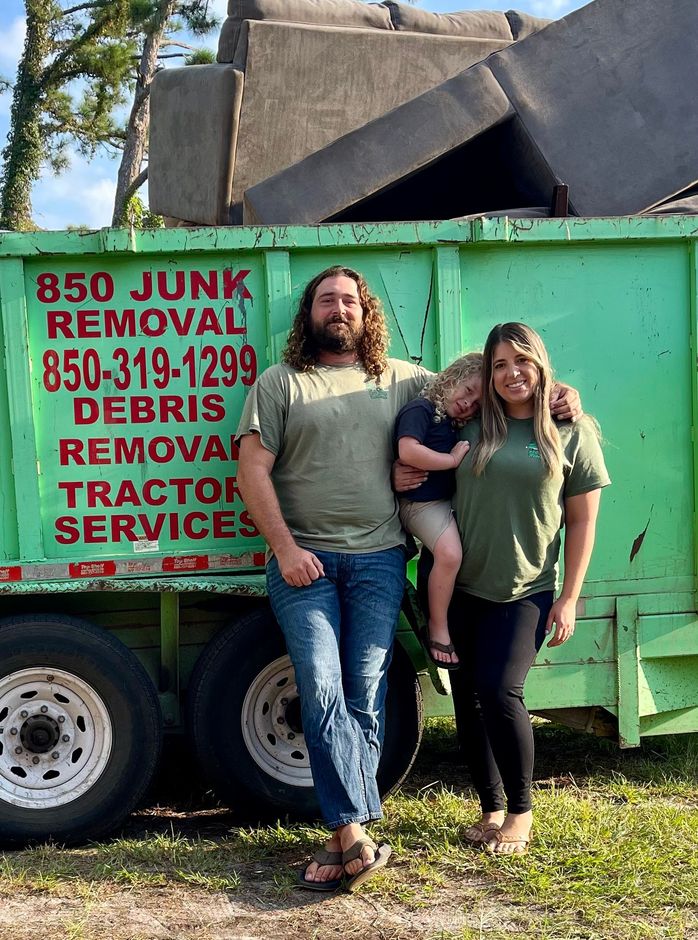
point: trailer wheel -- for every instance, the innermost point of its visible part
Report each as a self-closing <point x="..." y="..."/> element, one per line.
<point x="244" y="719"/>
<point x="80" y="730"/>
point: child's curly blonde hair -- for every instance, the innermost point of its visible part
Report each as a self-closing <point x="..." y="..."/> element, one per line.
<point x="443" y="383"/>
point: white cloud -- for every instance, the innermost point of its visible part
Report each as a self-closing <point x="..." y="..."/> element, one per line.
<point x="83" y="195"/>
<point x="11" y="45"/>
<point x="553" y="9"/>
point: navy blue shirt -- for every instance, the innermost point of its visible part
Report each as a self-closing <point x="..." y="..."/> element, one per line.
<point x="418" y="419"/>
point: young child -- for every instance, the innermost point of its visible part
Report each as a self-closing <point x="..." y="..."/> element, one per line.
<point x="426" y="436"/>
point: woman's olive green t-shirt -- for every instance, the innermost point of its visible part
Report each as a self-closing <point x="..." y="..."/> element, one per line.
<point x="511" y="516"/>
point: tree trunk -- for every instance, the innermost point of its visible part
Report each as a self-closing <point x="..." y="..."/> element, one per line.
<point x="23" y="154"/>
<point x="137" y="130"/>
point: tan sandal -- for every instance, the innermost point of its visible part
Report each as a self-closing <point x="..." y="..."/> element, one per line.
<point x="485" y="831"/>
<point x="500" y="839"/>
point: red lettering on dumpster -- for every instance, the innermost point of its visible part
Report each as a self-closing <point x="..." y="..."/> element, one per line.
<point x="137" y="375"/>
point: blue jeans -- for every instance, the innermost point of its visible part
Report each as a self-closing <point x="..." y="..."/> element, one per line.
<point x="339" y="634"/>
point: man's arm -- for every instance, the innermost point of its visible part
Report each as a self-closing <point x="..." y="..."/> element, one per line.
<point x="297" y="565"/>
<point x="565" y="403"/>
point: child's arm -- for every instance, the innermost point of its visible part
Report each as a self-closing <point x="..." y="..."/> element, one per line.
<point x="417" y="455"/>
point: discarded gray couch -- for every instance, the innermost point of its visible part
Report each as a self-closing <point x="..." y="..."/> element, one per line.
<point x="603" y="99"/>
<point x="287" y="89"/>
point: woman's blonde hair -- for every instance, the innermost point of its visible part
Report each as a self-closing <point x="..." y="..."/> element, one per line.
<point x="440" y="387"/>
<point x="494" y="422"/>
<point x="372" y="349"/>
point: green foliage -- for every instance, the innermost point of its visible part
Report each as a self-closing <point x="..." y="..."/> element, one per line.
<point x="79" y="65"/>
<point x="139" y="215"/>
<point x="201" y="57"/>
<point x="89" y="42"/>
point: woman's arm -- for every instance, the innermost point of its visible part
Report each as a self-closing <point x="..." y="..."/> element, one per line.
<point x="424" y="458"/>
<point x="580" y="527"/>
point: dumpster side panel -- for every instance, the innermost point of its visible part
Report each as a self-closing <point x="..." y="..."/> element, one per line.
<point x="615" y="321"/>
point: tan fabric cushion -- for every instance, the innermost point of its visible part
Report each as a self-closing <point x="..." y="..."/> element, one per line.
<point x="312" y="12"/>
<point x="484" y="24"/>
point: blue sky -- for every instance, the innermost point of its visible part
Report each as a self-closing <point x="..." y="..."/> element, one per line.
<point x="83" y="195"/>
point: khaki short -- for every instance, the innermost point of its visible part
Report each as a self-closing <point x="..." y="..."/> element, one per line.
<point x="426" y="521"/>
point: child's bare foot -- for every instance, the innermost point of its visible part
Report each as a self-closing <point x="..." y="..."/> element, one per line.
<point x="439" y="646"/>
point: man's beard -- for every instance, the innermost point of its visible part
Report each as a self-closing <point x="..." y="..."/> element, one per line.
<point x="329" y="337"/>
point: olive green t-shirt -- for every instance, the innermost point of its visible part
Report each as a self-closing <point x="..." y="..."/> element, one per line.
<point x="510" y="517"/>
<point x="331" y="430"/>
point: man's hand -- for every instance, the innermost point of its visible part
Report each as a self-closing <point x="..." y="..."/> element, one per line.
<point x="407" y="478"/>
<point x="299" y="567"/>
<point x="565" y="403"/>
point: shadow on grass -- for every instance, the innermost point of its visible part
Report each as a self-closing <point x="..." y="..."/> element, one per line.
<point x="179" y="799"/>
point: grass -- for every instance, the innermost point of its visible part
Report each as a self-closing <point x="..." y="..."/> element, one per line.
<point x="615" y="853"/>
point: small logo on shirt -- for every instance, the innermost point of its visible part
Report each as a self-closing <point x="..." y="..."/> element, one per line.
<point x="375" y="391"/>
<point x="532" y="450"/>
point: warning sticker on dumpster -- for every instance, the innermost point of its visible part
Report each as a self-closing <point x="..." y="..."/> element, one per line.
<point x="146" y="545"/>
<point x="139" y="370"/>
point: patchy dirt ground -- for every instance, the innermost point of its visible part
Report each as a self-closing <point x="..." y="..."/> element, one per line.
<point x="263" y="906"/>
<point x="180" y="913"/>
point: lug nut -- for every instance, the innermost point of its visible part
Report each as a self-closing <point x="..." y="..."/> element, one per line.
<point x="18" y="750"/>
<point x="61" y="719"/>
<point x="291" y="736"/>
<point x="284" y="701"/>
<point x="24" y="714"/>
<point x="44" y="709"/>
<point x="281" y="720"/>
<point x="65" y="738"/>
<point x="13" y="731"/>
<point x="35" y="760"/>
<point x="49" y="678"/>
<point x="55" y="755"/>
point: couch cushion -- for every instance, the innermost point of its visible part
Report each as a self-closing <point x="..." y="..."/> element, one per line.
<point x="308" y="85"/>
<point x="523" y="24"/>
<point x="485" y="24"/>
<point x="195" y="113"/>
<point x="312" y="12"/>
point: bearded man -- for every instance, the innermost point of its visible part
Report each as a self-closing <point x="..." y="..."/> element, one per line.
<point x="314" y="471"/>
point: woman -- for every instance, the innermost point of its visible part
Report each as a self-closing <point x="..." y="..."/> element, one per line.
<point x="522" y="480"/>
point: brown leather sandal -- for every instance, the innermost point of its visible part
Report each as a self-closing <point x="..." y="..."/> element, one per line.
<point x="448" y="648"/>
<point x="485" y="832"/>
<point x="322" y="857"/>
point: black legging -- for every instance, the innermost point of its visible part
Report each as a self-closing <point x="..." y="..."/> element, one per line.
<point x="496" y="645"/>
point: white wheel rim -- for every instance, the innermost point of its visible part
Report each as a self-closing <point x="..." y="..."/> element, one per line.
<point x="55" y="737"/>
<point x="279" y="749"/>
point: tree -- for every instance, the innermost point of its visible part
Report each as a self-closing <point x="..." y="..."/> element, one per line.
<point x="90" y="42"/>
<point x="157" y="20"/>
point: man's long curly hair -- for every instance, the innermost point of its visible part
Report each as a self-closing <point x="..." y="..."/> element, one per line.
<point x="301" y="351"/>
